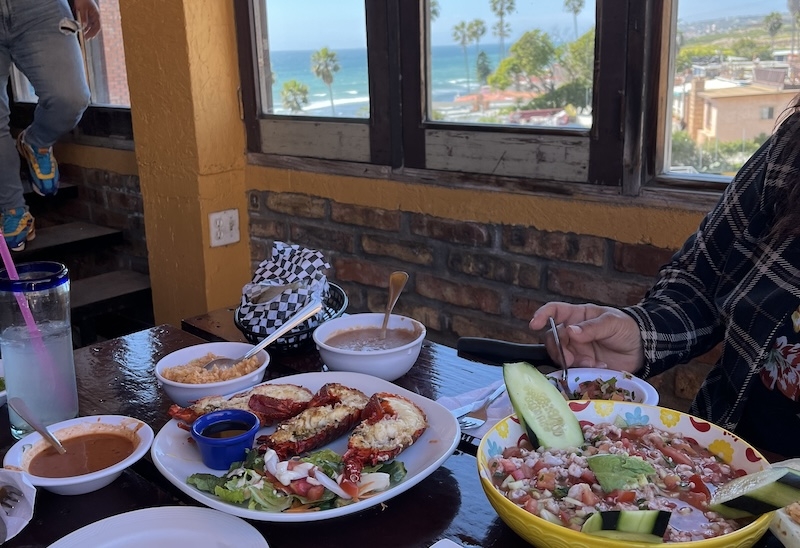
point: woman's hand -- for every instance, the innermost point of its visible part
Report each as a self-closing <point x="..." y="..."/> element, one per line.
<point x="592" y="336"/>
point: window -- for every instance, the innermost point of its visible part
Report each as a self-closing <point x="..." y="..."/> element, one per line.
<point x="733" y="67"/>
<point x="484" y="91"/>
<point x="108" y="114"/>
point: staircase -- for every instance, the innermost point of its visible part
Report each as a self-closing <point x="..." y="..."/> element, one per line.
<point x="106" y="300"/>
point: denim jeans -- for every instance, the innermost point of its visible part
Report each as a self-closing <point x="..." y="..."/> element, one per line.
<point x="40" y="38"/>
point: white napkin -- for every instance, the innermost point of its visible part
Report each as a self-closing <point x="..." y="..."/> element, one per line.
<point x="19" y="516"/>
<point x="499" y="408"/>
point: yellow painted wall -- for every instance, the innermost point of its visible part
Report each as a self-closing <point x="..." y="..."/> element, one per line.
<point x="183" y="78"/>
<point x="182" y="70"/>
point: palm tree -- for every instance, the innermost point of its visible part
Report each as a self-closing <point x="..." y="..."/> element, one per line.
<point x="574" y="7"/>
<point x="324" y="64"/>
<point x="501" y="29"/>
<point x="476" y="29"/>
<point x="773" y="22"/>
<point x="294" y="95"/>
<point x="462" y="37"/>
<point x="434" y="10"/>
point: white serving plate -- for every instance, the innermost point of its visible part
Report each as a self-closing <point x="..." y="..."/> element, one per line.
<point x="165" y="526"/>
<point x="177" y="458"/>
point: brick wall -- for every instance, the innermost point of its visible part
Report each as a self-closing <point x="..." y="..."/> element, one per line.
<point x="114" y="53"/>
<point x="107" y="199"/>
<point x="466" y="279"/>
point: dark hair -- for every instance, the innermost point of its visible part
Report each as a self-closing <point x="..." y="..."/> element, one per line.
<point x="787" y="204"/>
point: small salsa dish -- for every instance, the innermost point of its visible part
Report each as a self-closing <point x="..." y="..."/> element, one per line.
<point x="587" y="383"/>
<point x="224" y="436"/>
<point x="99" y="448"/>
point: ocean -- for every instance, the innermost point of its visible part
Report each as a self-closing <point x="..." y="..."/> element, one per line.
<point x="350" y="84"/>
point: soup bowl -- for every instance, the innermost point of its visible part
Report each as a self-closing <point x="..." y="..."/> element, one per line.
<point x="546" y="534"/>
<point x="184" y="393"/>
<point x="630" y="387"/>
<point x="23" y="452"/>
<point x="387" y="363"/>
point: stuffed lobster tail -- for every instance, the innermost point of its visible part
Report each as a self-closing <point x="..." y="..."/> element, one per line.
<point x="333" y="411"/>
<point x="390" y="423"/>
<point x="269" y="402"/>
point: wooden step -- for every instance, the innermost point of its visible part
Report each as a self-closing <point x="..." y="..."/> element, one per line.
<point x="53" y="242"/>
<point x="103" y="295"/>
<point x="106" y="292"/>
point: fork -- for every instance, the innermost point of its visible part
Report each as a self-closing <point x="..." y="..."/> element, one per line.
<point x="477" y="418"/>
<point x="9" y="497"/>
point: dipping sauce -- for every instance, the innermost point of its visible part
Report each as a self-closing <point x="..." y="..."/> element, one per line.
<point x="85" y="454"/>
<point x="226" y="429"/>
<point x="367" y="339"/>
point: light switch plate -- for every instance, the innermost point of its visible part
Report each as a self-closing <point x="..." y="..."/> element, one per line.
<point x="224" y="227"/>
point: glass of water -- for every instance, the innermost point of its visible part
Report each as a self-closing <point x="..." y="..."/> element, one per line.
<point x="36" y="343"/>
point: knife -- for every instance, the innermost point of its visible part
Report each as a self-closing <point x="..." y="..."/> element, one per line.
<point x="464" y="409"/>
<point x="494" y="351"/>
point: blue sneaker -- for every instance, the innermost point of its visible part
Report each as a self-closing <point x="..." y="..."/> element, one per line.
<point x="18" y="227"/>
<point x="42" y="166"/>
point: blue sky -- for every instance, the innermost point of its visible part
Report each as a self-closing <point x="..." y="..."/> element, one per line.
<point x="339" y="24"/>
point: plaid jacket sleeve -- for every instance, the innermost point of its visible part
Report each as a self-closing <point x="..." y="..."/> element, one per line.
<point x="731" y="281"/>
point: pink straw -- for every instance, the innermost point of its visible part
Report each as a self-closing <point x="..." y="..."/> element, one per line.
<point x="33" y="329"/>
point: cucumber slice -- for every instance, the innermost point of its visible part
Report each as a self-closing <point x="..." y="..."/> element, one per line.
<point x="629" y="525"/>
<point x="541" y="408"/>
<point x="757" y="493"/>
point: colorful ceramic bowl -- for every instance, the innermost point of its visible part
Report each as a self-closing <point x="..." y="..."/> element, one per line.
<point x="544" y="534"/>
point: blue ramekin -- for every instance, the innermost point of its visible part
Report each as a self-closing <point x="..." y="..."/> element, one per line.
<point x="220" y="453"/>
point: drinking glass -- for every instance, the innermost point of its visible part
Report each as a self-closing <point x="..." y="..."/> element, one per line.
<point x="36" y="343"/>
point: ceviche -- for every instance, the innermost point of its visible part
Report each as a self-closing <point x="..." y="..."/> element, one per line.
<point x="618" y="468"/>
<point x="602" y="389"/>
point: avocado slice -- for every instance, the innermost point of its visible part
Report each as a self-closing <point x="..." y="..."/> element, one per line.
<point x="620" y="471"/>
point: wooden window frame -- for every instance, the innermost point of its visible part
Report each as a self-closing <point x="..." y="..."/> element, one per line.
<point x="619" y="155"/>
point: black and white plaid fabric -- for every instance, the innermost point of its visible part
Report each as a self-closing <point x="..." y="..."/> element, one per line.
<point x="730" y="282"/>
<point x="300" y="270"/>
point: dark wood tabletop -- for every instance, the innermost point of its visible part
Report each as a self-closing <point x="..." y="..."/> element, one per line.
<point x="116" y="377"/>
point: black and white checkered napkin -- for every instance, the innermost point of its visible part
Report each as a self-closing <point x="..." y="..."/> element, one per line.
<point x="282" y="285"/>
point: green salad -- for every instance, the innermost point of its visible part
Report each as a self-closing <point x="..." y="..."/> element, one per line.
<point x="263" y="483"/>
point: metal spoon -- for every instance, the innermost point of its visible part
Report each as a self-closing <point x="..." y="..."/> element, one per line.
<point x="397" y="281"/>
<point x="562" y="382"/>
<point x="21" y="409"/>
<point x="308" y="311"/>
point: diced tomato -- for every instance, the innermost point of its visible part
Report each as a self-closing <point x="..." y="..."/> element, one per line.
<point x="588" y="476"/>
<point x="350" y="488"/>
<point x="672" y="481"/>
<point x="626" y="496"/>
<point x="315" y="492"/>
<point x="698" y="500"/>
<point x="546" y="480"/>
<point x="300" y="486"/>
<point x="518" y="474"/>
<point x="676" y="456"/>
<point x="697" y="485"/>
<point x="532" y="506"/>
<point x="537" y="467"/>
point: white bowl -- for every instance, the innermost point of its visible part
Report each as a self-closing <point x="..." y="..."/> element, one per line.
<point x="184" y="394"/>
<point x="643" y="391"/>
<point x="21" y="453"/>
<point x="388" y="364"/>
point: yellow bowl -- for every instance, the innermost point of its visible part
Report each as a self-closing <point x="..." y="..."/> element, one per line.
<point x="541" y="533"/>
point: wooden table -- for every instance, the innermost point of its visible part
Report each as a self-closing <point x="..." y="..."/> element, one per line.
<point x="116" y="377"/>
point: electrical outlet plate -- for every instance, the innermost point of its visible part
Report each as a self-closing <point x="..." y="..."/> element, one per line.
<point x="224" y="227"/>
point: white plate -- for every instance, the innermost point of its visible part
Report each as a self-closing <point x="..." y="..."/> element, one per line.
<point x="177" y="458"/>
<point x="3" y="395"/>
<point x="167" y="526"/>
